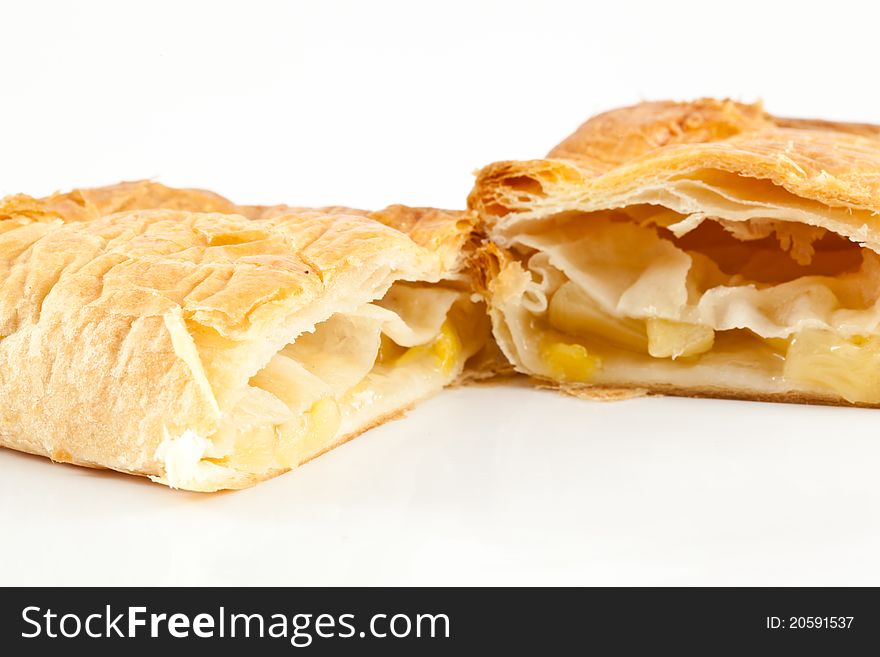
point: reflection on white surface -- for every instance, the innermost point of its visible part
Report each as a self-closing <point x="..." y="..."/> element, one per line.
<point x="488" y="485"/>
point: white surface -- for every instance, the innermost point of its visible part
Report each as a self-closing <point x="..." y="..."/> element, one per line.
<point x="372" y="103"/>
<point x="489" y="485"/>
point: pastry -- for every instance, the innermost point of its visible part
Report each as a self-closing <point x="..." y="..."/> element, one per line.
<point x="162" y="332"/>
<point x="702" y="248"/>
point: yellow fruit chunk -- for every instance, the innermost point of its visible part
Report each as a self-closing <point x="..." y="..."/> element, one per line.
<point x="668" y="339"/>
<point x="573" y="311"/>
<point x="248" y="437"/>
<point x="445" y="350"/>
<point x="389" y="351"/>
<point x="849" y="367"/>
<point x="324" y="419"/>
<point x="569" y="362"/>
<point x="317" y="431"/>
<point x="254" y="448"/>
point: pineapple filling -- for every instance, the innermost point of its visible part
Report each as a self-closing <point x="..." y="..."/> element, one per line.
<point x="794" y="302"/>
<point x="568" y="362"/>
<point x="352" y="369"/>
<point x="668" y="339"/>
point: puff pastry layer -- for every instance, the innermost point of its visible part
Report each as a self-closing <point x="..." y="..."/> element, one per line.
<point x="174" y="334"/>
<point x="704" y="248"/>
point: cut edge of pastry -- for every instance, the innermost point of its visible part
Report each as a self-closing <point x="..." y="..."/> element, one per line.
<point x="328" y="385"/>
<point x="732" y="257"/>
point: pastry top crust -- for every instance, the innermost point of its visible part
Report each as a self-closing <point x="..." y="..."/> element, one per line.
<point x="615" y="153"/>
<point x="223" y="271"/>
<point x="92" y="203"/>
<point x="217" y="260"/>
<point x="444" y="232"/>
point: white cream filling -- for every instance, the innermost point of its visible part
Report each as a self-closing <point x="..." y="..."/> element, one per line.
<point x="182" y="456"/>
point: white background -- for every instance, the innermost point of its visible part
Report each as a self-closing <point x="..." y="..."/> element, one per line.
<point x="371" y="103"/>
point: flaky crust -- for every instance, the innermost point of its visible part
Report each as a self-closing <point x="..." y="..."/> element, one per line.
<point x="614" y="156"/>
<point x="93" y="203"/>
<point x="615" y="153"/>
<point x="93" y="282"/>
<point x="446" y="232"/>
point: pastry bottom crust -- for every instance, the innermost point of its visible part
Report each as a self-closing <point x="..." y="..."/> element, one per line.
<point x="618" y="392"/>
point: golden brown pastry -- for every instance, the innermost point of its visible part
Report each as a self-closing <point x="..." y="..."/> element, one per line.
<point x="703" y="248"/>
<point x="160" y="332"/>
